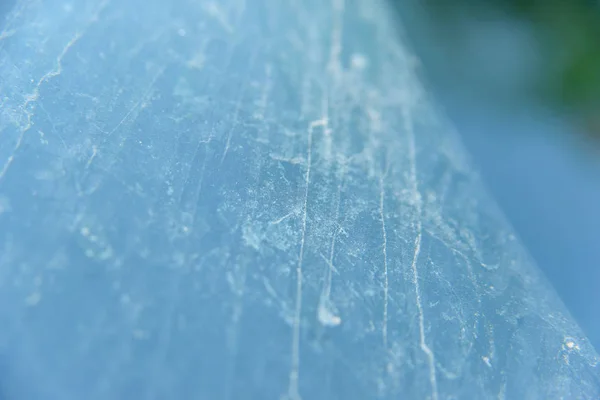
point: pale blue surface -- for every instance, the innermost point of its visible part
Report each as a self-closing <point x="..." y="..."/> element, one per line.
<point x="252" y="200"/>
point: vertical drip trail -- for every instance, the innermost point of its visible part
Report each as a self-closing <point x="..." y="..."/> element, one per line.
<point x="385" y="264"/>
<point x="415" y="271"/>
<point x="293" y="392"/>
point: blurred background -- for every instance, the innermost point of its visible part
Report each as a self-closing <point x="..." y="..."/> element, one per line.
<point x="520" y="79"/>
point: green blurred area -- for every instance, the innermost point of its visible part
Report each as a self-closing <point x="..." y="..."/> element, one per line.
<point x="567" y="35"/>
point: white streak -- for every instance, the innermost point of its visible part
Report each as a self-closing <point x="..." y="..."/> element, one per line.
<point x="335" y="51"/>
<point x="34" y="97"/>
<point x="236" y="114"/>
<point x="140" y="102"/>
<point x="293" y="393"/>
<point x="326" y="312"/>
<point x="281" y="219"/>
<point x="384" y="330"/>
<point x="415" y="271"/>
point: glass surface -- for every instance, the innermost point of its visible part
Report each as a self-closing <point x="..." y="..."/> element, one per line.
<point x="252" y="200"/>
